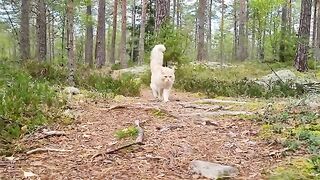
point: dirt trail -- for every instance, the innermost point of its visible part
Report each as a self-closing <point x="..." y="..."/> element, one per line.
<point x="169" y="143"/>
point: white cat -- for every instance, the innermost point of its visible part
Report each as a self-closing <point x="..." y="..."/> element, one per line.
<point x="162" y="78"/>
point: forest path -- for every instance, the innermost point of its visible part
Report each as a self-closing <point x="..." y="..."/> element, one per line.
<point x="175" y="133"/>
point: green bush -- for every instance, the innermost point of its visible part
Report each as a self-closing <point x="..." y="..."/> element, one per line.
<point x="202" y="79"/>
<point x="25" y="102"/>
<point x="176" y="42"/>
<point x="127" y="85"/>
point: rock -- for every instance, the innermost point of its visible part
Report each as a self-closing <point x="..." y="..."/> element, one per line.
<point x="312" y="101"/>
<point x="116" y="74"/>
<point x="285" y="75"/>
<point x="212" y="170"/>
<point x="71" y="90"/>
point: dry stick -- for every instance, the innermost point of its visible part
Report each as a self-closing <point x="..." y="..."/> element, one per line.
<point x="139" y="141"/>
<point x="141" y="107"/>
<point x="53" y="133"/>
<point x="46" y="150"/>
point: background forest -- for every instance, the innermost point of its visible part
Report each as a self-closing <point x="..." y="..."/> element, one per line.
<point x="263" y="51"/>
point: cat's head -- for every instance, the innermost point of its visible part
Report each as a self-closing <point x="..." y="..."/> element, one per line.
<point x="160" y="47"/>
<point x="167" y="74"/>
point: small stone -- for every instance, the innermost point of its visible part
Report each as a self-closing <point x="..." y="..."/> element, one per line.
<point x="212" y="170"/>
<point x="72" y="90"/>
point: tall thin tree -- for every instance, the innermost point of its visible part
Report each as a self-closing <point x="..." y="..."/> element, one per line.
<point x="123" y="54"/>
<point x="303" y="36"/>
<point x="142" y="32"/>
<point x="201" y="20"/>
<point x="284" y="31"/>
<point x="101" y="35"/>
<point x="318" y="26"/>
<point x="89" y="35"/>
<point x="24" y="30"/>
<point x="242" y="53"/>
<point x="70" y="39"/>
<point x="114" y="32"/>
<point x="41" y="31"/>
<point x="315" y="20"/>
<point x="162" y="13"/>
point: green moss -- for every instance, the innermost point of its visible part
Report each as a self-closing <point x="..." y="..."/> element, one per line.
<point x="127" y="132"/>
<point x="302" y="169"/>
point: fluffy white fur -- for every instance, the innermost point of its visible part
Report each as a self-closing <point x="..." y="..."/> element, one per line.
<point x="162" y="78"/>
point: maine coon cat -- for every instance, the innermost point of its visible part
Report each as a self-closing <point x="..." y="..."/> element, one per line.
<point x="162" y="78"/>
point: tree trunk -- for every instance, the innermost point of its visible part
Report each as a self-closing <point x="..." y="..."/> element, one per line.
<point x="174" y="11"/>
<point x="178" y="13"/>
<point x="101" y="35"/>
<point x="142" y="32"/>
<point x="222" y="33"/>
<point x="41" y="31"/>
<point x="123" y="57"/>
<point x="318" y="26"/>
<point x="49" y="37"/>
<point x="314" y="30"/>
<point x="290" y="25"/>
<point x="162" y="13"/>
<point x="70" y="47"/>
<point x="114" y="32"/>
<point x="133" y="30"/>
<point x="242" y="36"/>
<point x="52" y="36"/>
<point x="24" y="31"/>
<point x="235" y="29"/>
<point x="253" y="38"/>
<point x="284" y="31"/>
<point x="201" y="19"/>
<point x="303" y="36"/>
<point x="209" y="37"/>
<point x="89" y="37"/>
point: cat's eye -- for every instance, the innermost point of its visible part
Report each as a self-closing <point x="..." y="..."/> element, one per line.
<point x="165" y="76"/>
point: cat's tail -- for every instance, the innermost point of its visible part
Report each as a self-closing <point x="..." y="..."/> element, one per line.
<point x="156" y="58"/>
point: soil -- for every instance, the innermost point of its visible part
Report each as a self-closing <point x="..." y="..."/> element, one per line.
<point x="173" y="137"/>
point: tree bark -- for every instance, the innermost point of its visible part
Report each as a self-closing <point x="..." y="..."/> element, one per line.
<point x="41" y="31"/>
<point x="235" y="29"/>
<point x="101" y="35"/>
<point x="114" y="32"/>
<point x="70" y="47"/>
<point x="133" y="30"/>
<point x="314" y="29"/>
<point x="284" y="31"/>
<point x="222" y="34"/>
<point x="24" y="30"/>
<point x="178" y="13"/>
<point x="209" y="37"/>
<point x="123" y="57"/>
<point x="162" y="13"/>
<point x="242" y="36"/>
<point x="318" y="26"/>
<point x="142" y="32"/>
<point x="303" y="36"/>
<point x="201" y="20"/>
<point x="89" y="37"/>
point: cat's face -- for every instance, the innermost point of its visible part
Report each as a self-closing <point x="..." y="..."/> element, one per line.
<point x="167" y="75"/>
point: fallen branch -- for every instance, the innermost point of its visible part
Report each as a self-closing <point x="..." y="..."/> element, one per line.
<point x="211" y="101"/>
<point x="138" y="141"/>
<point x="47" y="150"/>
<point x="142" y="107"/>
<point x="52" y="133"/>
<point x="207" y="108"/>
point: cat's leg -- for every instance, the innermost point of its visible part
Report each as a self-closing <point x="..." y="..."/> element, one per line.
<point x="154" y="91"/>
<point x="160" y="94"/>
<point x="166" y="93"/>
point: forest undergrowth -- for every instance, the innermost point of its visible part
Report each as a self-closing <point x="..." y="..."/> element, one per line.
<point x="32" y="96"/>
